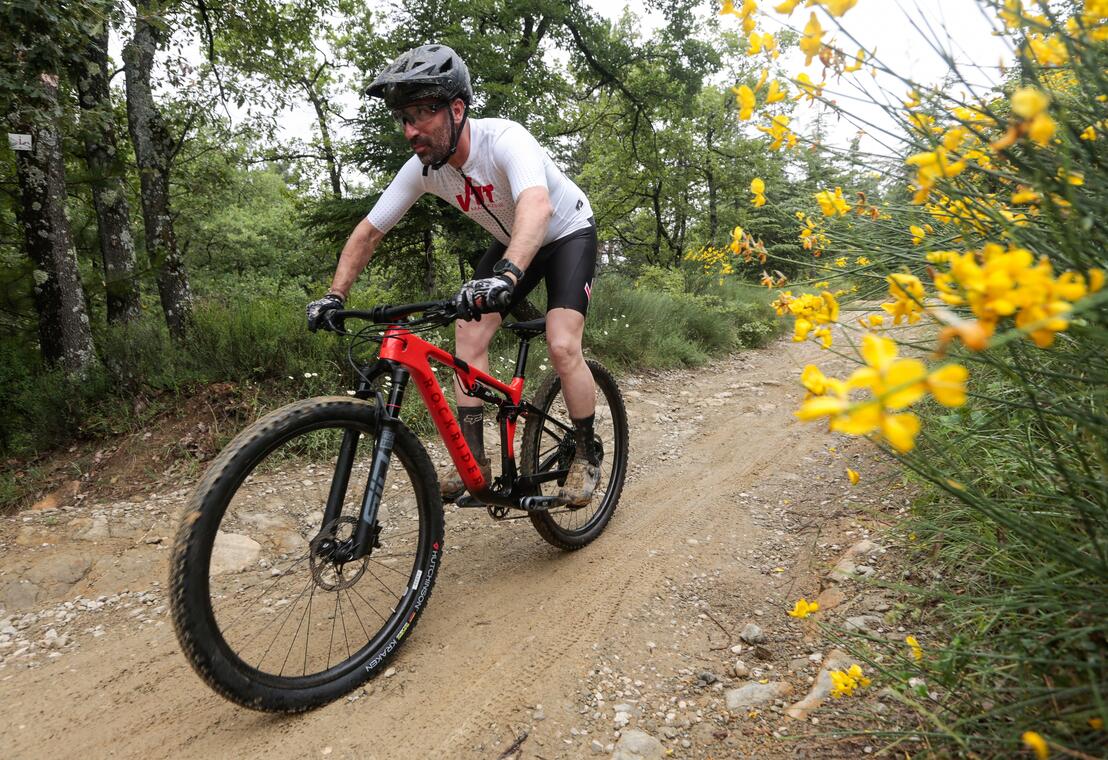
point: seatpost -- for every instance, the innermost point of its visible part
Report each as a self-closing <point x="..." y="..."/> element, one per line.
<point x="521" y="356"/>
<point x="365" y="537"/>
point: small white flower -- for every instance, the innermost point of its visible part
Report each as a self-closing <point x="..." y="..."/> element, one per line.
<point x="291" y="377"/>
<point x="542" y="366"/>
<point x="350" y="393"/>
<point x="307" y="374"/>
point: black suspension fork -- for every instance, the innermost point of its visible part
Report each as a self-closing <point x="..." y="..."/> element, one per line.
<point x="344" y="463"/>
<point x="388" y="421"/>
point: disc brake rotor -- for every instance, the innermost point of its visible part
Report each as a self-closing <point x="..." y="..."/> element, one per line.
<point x="330" y="574"/>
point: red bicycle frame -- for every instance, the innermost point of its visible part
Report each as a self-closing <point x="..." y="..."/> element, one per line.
<point x="416" y="354"/>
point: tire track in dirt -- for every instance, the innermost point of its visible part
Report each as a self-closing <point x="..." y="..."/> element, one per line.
<point x="511" y="624"/>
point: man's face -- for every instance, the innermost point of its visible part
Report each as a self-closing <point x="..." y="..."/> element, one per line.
<point x="426" y="127"/>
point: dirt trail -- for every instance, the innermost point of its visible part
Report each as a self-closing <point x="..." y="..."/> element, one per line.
<point x="730" y="513"/>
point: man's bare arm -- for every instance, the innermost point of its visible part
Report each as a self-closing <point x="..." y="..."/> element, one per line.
<point x="355" y="256"/>
<point x="533" y="212"/>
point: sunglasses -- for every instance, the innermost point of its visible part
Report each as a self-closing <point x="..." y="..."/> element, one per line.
<point x="416" y="114"/>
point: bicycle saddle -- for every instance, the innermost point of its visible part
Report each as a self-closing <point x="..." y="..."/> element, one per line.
<point x="528" y="329"/>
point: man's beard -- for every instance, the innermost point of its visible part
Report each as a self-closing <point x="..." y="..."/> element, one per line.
<point x="439" y="143"/>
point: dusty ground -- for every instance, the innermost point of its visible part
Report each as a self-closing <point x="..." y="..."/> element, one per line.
<point x="732" y="511"/>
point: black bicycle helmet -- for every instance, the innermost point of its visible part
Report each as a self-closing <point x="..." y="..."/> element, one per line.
<point x="428" y="71"/>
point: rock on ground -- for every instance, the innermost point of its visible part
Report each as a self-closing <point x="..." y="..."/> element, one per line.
<point x="836" y="660"/>
<point x="753" y="693"/>
<point x="233" y="553"/>
<point x="637" y="745"/>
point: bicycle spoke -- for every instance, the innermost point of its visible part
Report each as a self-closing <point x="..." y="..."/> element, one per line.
<point x="367" y="604"/>
<point x="282" y="626"/>
<point x="356" y="615"/>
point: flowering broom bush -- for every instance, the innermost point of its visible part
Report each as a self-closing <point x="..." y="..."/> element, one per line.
<point x="981" y="332"/>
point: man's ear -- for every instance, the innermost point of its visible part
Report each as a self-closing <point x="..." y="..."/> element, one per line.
<point x="457" y="109"/>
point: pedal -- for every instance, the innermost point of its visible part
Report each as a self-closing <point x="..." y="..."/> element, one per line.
<point x="539" y="503"/>
<point x="468" y="502"/>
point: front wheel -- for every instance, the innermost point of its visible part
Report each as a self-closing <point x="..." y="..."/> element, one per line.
<point x="548" y="446"/>
<point x="267" y="608"/>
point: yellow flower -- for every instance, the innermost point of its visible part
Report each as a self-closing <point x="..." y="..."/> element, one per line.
<point x="788" y="6"/>
<point x="838" y="7"/>
<point x="913" y="100"/>
<point x="778" y="128"/>
<point x="758" y="187"/>
<point x="744" y="97"/>
<point x="761" y="80"/>
<point x="1089" y="133"/>
<point x="813" y="379"/>
<point x="1036" y="744"/>
<point x="812" y="312"/>
<point x="775" y="94"/>
<point x="930" y="167"/>
<point x="859" y="60"/>
<point x="1029" y="102"/>
<point x="803" y="609"/>
<point x="907" y="293"/>
<point x="862" y="261"/>
<point x="1041" y="129"/>
<point x="1026" y="195"/>
<point x="728" y="7"/>
<point x="948" y="384"/>
<point x="917" y="234"/>
<point x="845" y="683"/>
<point x="832" y="203"/>
<point x="808" y="87"/>
<point x="841" y="261"/>
<point x="812" y="41"/>
<point x="1048" y="51"/>
<point x="1096" y="724"/>
<point x="852" y="476"/>
<point x="917" y="650"/>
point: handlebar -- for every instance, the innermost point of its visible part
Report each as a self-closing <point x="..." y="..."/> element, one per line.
<point x="448" y="309"/>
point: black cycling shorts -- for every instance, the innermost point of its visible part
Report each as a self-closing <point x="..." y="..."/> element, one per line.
<point x="567" y="265"/>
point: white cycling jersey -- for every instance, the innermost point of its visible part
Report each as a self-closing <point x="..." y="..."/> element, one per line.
<point x="504" y="160"/>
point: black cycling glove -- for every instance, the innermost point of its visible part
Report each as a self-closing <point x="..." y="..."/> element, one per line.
<point x="319" y="308"/>
<point x="483" y="296"/>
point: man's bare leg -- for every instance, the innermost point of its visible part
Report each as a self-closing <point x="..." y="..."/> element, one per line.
<point x="565" y="329"/>
<point x="471" y="345"/>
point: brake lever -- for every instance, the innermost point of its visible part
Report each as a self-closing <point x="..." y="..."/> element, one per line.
<point x="328" y="319"/>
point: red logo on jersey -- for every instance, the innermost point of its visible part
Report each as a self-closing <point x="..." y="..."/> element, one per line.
<point x="475" y="191"/>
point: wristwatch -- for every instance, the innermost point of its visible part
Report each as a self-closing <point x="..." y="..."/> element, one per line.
<point x="504" y="265"/>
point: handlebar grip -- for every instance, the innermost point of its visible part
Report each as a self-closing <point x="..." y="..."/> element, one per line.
<point x="502" y="300"/>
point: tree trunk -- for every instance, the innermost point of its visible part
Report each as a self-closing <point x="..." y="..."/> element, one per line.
<point x="713" y="207"/>
<point x="65" y="337"/>
<point x="329" y="155"/>
<point x="109" y="194"/>
<point x="153" y="153"/>
<point x="428" y="261"/>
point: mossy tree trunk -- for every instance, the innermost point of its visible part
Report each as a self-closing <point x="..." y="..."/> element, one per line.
<point x="109" y="195"/>
<point x="65" y="336"/>
<point x="154" y="151"/>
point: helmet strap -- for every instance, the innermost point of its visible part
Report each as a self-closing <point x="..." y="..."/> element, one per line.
<point x="455" y="135"/>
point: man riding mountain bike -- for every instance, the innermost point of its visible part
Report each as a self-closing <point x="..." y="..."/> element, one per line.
<point x="495" y="172"/>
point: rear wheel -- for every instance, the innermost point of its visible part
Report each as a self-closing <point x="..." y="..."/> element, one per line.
<point x="548" y="445"/>
<point x="266" y="610"/>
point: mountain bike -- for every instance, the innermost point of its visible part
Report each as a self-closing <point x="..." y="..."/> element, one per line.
<point x="290" y="587"/>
